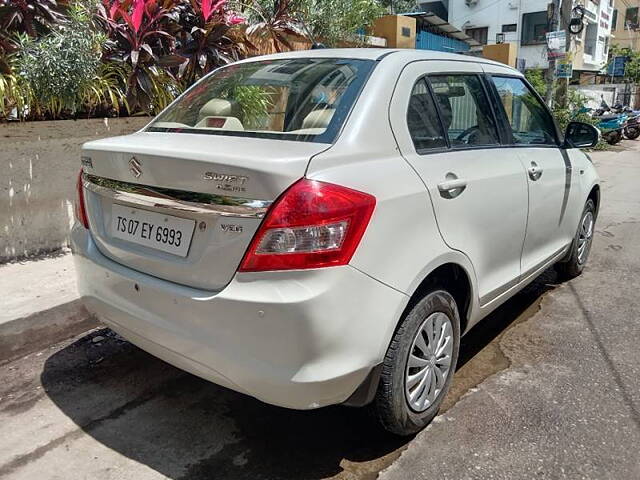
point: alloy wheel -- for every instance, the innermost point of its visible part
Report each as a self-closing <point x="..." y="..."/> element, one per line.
<point x="585" y="236"/>
<point x="429" y="362"/>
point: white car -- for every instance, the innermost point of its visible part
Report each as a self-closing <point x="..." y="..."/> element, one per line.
<point x="321" y="227"/>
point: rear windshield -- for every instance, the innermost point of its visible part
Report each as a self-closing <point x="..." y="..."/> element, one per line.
<point x="294" y="99"/>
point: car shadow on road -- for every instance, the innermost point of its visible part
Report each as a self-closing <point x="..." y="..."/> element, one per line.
<point x="186" y="428"/>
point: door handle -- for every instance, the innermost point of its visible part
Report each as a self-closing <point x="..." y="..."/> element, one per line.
<point x="452" y="187"/>
<point x="534" y="171"/>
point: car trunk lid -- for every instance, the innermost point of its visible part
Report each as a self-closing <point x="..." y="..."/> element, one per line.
<point x="212" y="189"/>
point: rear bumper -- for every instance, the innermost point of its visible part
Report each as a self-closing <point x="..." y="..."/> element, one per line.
<point x="300" y="339"/>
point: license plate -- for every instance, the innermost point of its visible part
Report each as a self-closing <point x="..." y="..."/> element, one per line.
<point x="155" y="230"/>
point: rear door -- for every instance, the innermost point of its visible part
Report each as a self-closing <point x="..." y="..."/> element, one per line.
<point x="549" y="170"/>
<point x="446" y="130"/>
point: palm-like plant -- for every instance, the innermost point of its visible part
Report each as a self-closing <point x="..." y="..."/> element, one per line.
<point x="273" y="22"/>
<point x="205" y="38"/>
<point x="137" y="28"/>
<point x="33" y="17"/>
<point x="105" y="93"/>
<point x="169" y="44"/>
<point x="16" y="94"/>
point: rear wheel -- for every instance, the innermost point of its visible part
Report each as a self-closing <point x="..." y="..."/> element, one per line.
<point x="632" y="132"/>
<point x="419" y="365"/>
<point x="581" y="245"/>
<point x="613" y="137"/>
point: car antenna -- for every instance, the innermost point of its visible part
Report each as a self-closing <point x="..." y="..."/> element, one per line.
<point x="314" y="45"/>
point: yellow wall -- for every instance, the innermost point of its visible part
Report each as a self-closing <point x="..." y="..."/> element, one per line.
<point x="621" y="36"/>
<point x="390" y="27"/>
<point x="501" y="52"/>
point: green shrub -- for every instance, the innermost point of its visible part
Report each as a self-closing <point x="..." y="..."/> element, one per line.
<point x="535" y="76"/>
<point x="570" y="113"/>
<point x="575" y="101"/>
<point x="335" y="21"/>
<point x="254" y="103"/>
<point x="61" y="66"/>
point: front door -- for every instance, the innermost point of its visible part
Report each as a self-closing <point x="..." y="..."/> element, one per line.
<point x="549" y="172"/>
<point x="446" y="130"/>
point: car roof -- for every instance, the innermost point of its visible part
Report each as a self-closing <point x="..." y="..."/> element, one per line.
<point x="409" y="55"/>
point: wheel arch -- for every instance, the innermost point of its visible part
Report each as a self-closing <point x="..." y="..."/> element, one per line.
<point x="594" y="195"/>
<point x="454" y="272"/>
<point x="454" y="279"/>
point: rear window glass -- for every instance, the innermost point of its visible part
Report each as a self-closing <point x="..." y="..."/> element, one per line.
<point x="291" y="99"/>
<point x="422" y="119"/>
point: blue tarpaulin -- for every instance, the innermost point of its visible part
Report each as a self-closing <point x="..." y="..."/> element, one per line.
<point x="430" y="41"/>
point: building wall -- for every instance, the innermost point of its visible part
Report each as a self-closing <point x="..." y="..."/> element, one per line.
<point x="504" y="53"/>
<point x="486" y="13"/>
<point x="611" y="93"/>
<point x="40" y="162"/>
<point x="623" y="36"/>
<point x="593" y="43"/>
<point x="399" y="31"/>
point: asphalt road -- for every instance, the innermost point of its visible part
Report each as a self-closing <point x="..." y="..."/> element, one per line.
<point x="548" y="388"/>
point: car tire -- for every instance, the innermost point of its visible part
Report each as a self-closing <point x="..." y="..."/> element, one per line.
<point x="392" y="405"/>
<point x="574" y="263"/>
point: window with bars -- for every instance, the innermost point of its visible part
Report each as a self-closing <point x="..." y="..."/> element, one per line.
<point x="631" y="19"/>
<point x="479" y="34"/>
<point x="534" y="28"/>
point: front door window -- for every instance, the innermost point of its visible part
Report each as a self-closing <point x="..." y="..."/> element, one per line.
<point x="530" y="121"/>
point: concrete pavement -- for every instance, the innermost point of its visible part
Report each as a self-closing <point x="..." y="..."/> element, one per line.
<point x="547" y="388"/>
<point x="568" y="405"/>
<point x="40" y="305"/>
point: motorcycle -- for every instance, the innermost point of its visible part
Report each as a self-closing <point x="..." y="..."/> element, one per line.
<point x="611" y="126"/>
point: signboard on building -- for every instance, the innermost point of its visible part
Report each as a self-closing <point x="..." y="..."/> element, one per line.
<point x="616" y="66"/>
<point x="556" y="44"/>
<point x="564" y="70"/>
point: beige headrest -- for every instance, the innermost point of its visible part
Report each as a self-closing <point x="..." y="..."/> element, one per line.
<point x="318" y="118"/>
<point x="218" y="107"/>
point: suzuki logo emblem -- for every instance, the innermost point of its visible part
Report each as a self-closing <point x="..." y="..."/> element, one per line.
<point x="135" y="167"/>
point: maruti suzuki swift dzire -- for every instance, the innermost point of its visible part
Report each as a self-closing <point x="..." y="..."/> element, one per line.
<point x="321" y="227"/>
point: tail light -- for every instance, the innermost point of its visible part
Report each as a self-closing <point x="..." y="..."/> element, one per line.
<point x="79" y="207"/>
<point x="312" y="225"/>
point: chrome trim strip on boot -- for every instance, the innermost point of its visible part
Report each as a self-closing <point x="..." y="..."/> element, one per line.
<point x="179" y="200"/>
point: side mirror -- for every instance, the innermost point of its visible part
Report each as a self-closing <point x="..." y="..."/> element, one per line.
<point x="581" y="135"/>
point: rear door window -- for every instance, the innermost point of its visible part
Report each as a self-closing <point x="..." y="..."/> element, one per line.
<point x="465" y="110"/>
<point x="422" y="119"/>
<point x="530" y="121"/>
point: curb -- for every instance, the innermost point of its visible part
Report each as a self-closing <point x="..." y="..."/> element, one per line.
<point x="21" y="336"/>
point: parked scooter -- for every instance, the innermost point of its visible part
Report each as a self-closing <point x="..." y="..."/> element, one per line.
<point x="611" y="126"/>
<point x="631" y="128"/>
